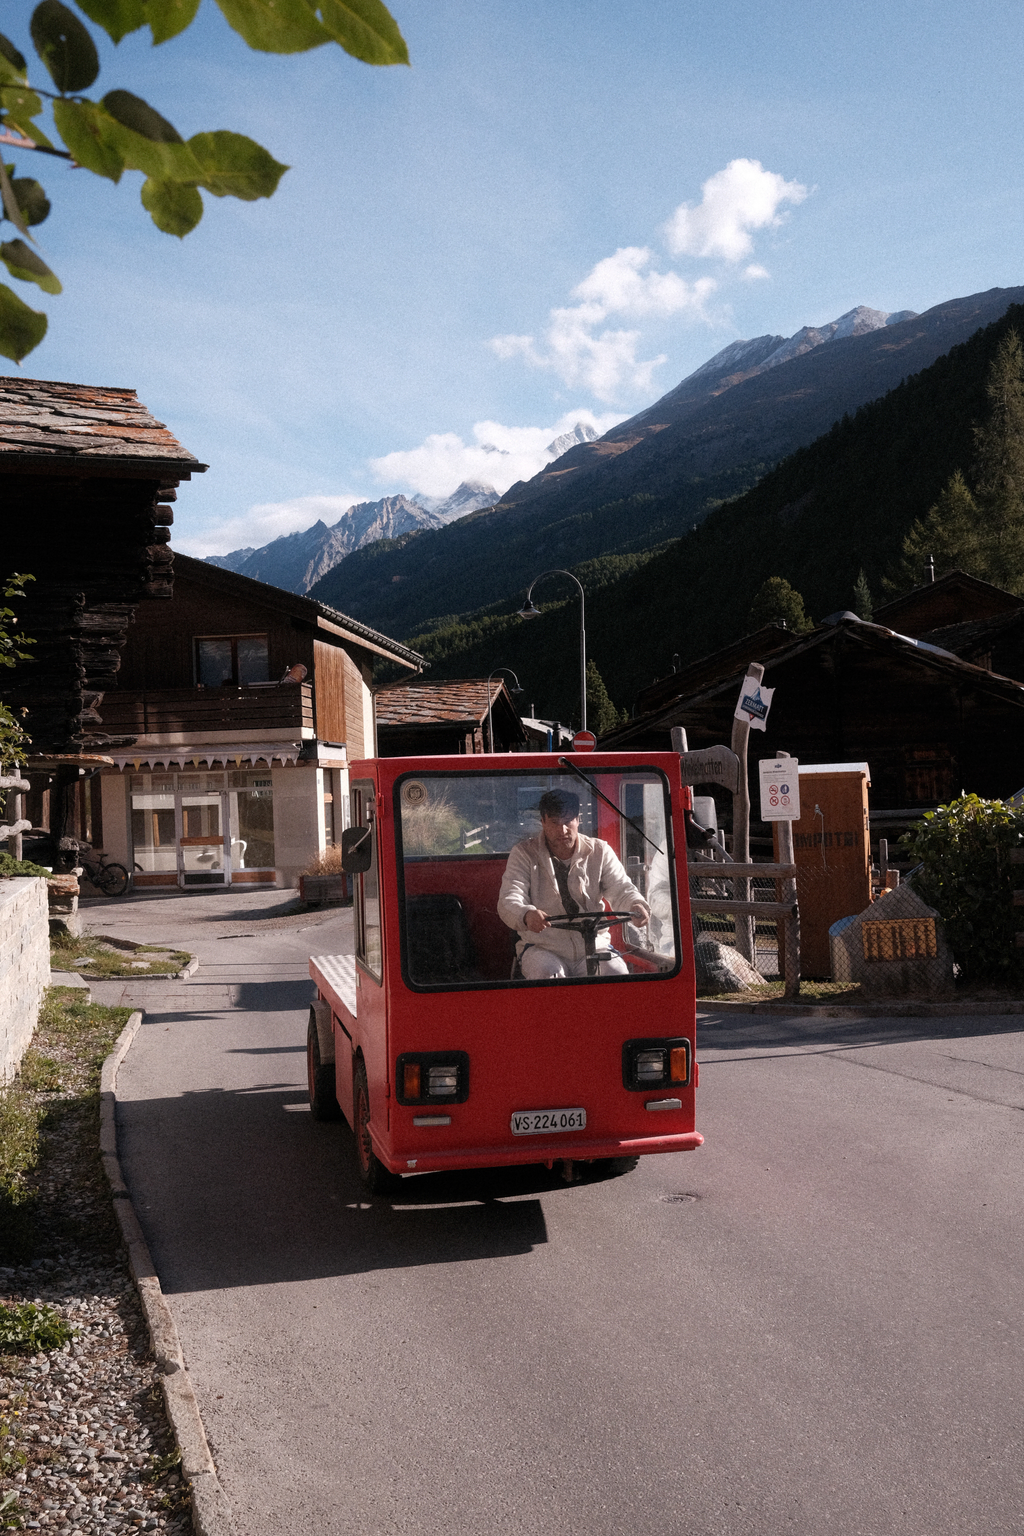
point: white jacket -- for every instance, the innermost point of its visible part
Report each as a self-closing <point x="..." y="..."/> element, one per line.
<point x="529" y="884"/>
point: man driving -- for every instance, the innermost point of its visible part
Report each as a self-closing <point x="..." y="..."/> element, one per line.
<point x="557" y="874"/>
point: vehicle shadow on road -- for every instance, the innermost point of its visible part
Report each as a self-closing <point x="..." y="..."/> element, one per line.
<point x="735" y="1032"/>
<point x="246" y="1188"/>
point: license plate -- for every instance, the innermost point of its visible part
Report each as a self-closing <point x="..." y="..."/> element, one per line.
<point x="544" y="1122"/>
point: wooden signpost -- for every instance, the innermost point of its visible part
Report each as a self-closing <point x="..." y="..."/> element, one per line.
<point x="727" y="767"/>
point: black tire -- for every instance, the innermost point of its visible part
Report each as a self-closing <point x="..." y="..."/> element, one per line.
<point x="611" y="1167"/>
<point x="375" y="1177"/>
<point x="111" y="879"/>
<point x="323" y="1097"/>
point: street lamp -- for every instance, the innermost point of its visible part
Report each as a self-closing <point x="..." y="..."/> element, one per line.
<point x="530" y="611"/>
<point x="515" y="692"/>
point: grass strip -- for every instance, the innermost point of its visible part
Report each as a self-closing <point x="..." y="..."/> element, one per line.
<point x="101" y="956"/>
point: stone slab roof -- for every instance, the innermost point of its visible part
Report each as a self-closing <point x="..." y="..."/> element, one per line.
<point x="463" y="701"/>
<point x="49" y="426"/>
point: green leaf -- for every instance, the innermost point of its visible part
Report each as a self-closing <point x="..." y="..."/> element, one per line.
<point x="11" y="54"/>
<point x="83" y="125"/>
<point x="116" y="17"/>
<point x="234" y="166"/>
<point x="31" y="199"/>
<point x="365" y="29"/>
<point x="144" y="140"/>
<point x="275" y="26"/>
<point x="21" y="105"/>
<point x="134" y="113"/>
<point x="21" y="261"/>
<point x="174" y="207"/>
<point x="10" y="202"/>
<point x="64" y="46"/>
<point x="21" y="328"/>
<point x="169" y="17"/>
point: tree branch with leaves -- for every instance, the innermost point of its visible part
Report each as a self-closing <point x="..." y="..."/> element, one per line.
<point x="122" y="132"/>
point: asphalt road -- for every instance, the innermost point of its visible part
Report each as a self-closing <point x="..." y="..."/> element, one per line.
<point x="812" y="1325"/>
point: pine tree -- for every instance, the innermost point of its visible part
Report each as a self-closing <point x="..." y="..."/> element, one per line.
<point x="776" y="602"/>
<point x="999" y="443"/>
<point x="602" y="716"/>
<point x="951" y="532"/>
<point x="980" y="533"/>
<point x="862" y="604"/>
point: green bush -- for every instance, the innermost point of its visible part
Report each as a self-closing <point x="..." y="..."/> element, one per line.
<point x="969" y="880"/>
<point x="10" y="867"/>
<point x="26" y="1326"/>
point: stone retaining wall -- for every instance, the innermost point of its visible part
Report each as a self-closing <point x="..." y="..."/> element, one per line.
<point x="24" y="966"/>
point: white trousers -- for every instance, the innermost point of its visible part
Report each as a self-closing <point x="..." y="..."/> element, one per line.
<point x="539" y="964"/>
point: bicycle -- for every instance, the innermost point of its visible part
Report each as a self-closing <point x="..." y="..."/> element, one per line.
<point x="112" y="879"/>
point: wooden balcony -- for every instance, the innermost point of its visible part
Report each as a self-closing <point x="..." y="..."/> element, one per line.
<point x="261" y="710"/>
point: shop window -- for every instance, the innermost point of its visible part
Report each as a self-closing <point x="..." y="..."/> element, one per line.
<point x="231" y="660"/>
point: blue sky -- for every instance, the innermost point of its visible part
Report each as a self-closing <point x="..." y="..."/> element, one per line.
<point x="557" y="213"/>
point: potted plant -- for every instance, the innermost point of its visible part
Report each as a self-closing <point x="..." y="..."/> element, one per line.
<point x="323" y="882"/>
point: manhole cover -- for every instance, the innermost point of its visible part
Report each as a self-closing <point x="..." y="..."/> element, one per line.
<point x="681" y="1197"/>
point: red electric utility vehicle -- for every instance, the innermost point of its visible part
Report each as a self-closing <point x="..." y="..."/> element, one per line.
<point x="429" y="1040"/>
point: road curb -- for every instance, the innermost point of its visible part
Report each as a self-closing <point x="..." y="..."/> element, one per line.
<point x="211" y="1512"/>
<point x="188" y="970"/>
<point x="891" y="1010"/>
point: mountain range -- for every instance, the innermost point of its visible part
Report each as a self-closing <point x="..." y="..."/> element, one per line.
<point x="835" y="510"/>
<point x="658" y="475"/>
<point x="296" y="560"/>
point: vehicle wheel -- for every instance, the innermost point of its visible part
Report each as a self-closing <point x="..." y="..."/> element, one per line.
<point x="610" y="1167"/>
<point x="111" y="879"/>
<point x="374" y="1175"/>
<point x="323" y="1097"/>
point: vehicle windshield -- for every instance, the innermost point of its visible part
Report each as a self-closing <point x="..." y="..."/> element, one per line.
<point x="476" y="859"/>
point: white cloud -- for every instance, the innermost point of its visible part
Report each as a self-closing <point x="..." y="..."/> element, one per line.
<point x="606" y="362"/>
<point x="742" y="197"/>
<point x="498" y="455"/>
<point x="264" y="522"/>
<point x="755" y="271"/>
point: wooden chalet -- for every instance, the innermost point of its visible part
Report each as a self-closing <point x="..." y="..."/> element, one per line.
<point x="417" y="718"/>
<point x="928" y="722"/>
<point x="243" y="705"/>
<point x="87" y="478"/>
<point x="976" y="621"/>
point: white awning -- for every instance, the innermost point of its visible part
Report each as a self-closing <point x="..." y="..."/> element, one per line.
<point x="231" y="756"/>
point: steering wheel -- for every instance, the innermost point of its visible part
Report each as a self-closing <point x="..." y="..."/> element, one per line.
<point x="591" y="922"/>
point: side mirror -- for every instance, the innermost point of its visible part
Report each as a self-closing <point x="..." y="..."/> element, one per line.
<point x="356" y="850"/>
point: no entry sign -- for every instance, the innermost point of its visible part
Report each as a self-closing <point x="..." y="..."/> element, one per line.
<point x="584" y="741"/>
<point x="780" y="789"/>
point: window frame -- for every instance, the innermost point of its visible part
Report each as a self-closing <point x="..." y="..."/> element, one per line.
<point x="363" y="800"/>
<point x="233" y="641"/>
<point x="518" y="983"/>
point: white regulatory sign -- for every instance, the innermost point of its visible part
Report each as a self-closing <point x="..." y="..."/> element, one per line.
<point x="780" y="789"/>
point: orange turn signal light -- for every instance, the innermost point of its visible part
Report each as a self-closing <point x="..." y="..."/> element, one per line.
<point x="679" y="1064"/>
<point x="411" y="1080"/>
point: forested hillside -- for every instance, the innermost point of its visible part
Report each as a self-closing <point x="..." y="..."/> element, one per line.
<point x="648" y="480"/>
<point x="843" y="504"/>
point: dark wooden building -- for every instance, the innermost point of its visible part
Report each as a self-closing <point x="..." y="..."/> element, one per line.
<point x="415" y="719"/>
<point x="244" y="705"/>
<point x="87" y="478"/>
<point x="928" y="722"/>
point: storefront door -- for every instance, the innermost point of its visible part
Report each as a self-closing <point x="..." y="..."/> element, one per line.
<point x="202" y="828"/>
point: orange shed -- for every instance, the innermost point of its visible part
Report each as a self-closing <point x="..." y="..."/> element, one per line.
<point x="832" y="848"/>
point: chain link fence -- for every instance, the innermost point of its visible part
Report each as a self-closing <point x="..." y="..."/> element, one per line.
<point x="754" y="940"/>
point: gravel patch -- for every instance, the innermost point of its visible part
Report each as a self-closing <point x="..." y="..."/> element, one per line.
<point x="85" y="1445"/>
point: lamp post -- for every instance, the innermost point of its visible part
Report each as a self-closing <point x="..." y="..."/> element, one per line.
<point x="529" y="611"/>
<point x="516" y="691"/>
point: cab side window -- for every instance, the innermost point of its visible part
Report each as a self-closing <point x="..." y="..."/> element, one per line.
<point x="366" y="895"/>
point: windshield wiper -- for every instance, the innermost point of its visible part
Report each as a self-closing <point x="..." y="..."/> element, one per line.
<point x="565" y="763"/>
